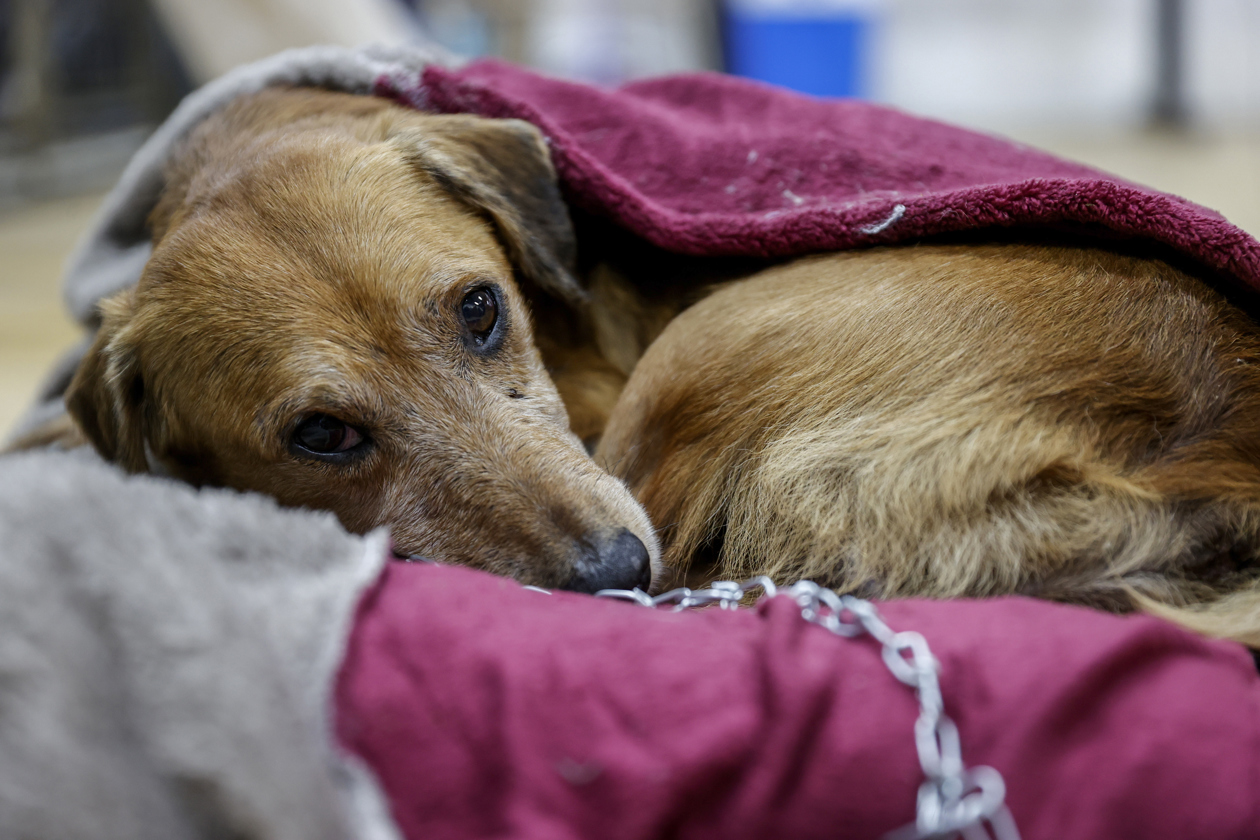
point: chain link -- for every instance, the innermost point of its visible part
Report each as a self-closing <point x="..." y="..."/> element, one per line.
<point x="954" y="800"/>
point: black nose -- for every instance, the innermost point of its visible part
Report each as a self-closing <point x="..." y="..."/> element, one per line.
<point x="619" y="563"/>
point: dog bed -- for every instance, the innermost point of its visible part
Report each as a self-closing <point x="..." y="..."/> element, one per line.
<point x="181" y="664"/>
<point x="533" y="716"/>
<point x="466" y="706"/>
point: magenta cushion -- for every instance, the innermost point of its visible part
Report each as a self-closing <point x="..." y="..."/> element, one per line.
<point x="710" y="164"/>
<point x="488" y="710"/>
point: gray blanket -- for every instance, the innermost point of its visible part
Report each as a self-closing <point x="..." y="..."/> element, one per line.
<point x="166" y="658"/>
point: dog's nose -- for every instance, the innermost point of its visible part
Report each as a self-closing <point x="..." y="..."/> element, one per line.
<point x="619" y="563"/>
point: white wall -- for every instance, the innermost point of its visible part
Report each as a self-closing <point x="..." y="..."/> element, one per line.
<point x="1012" y="65"/>
<point x="1006" y="65"/>
<point x="1223" y="43"/>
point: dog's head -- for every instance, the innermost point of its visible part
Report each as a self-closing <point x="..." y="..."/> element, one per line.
<point x="332" y="316"/>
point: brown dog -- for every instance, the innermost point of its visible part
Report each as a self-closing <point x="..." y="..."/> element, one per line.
<point x="332" y="316"/>
<point x="957" y="420"/>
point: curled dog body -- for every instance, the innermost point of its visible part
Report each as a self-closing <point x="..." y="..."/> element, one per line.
<point x="336" y="313"/>
<point x="954" y="420"/>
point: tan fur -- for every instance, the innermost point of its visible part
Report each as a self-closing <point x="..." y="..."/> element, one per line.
<point x="959" y="421"/>
<point x="311" y="253"/>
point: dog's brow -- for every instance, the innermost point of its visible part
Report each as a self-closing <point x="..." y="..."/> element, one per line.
<point x="343" y="402"/>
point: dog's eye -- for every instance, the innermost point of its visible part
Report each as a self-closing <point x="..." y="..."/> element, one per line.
<point x="324" y="435"/>
<point x="480" y="311"/>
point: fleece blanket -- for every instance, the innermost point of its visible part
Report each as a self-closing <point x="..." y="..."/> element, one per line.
<point x="167" y="659"/>
<point x="184" y="664"/>
<point x="709" y="164"/>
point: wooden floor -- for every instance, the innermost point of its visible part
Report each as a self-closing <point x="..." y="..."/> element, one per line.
<point x="34" y="329"/>
<point x="1220" y="172"/>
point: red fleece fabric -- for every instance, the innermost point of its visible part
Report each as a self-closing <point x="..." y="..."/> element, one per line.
<point x="713" y="165"/>
<point x="488" y="710"/>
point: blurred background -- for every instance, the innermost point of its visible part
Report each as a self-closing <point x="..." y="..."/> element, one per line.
<point x="1165" y="92"/>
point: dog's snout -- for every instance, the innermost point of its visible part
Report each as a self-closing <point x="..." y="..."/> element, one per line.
<point x="619" y="563"/>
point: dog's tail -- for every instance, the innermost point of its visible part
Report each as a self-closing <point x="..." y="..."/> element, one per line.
<point x="1235" y="616"/>
<point x="1217" y="593"/>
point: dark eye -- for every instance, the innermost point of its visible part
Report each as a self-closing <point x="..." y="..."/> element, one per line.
<point x="480" y="311"/>
<point x="325" y="435"/>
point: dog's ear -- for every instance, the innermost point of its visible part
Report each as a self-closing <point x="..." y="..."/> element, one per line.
<point x="106" y="395"/>
<point x="502" y="168"/>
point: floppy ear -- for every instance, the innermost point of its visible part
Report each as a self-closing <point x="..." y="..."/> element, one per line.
<point x="502" y="168"/>
<point x="105" y="396"/>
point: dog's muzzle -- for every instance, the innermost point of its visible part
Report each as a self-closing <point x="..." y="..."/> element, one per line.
<point x="619" y="563"/>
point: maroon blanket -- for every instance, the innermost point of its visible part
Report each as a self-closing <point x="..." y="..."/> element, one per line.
<point x="708" y="164"/>
<point x="491" y="711"/>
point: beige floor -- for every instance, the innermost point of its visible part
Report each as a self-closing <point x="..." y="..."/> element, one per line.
<point x="1221" y="172"/>
<point x="34" y="329"/>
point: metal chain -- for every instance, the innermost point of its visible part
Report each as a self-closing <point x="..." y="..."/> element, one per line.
<point x="954" y="800"/>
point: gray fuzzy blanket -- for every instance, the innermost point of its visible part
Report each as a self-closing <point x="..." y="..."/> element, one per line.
<point x="166" y="657"/>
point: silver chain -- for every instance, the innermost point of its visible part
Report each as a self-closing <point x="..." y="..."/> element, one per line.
<point x="954" y="800"/>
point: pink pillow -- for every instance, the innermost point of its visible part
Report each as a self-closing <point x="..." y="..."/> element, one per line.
<point x="489" y="710"/>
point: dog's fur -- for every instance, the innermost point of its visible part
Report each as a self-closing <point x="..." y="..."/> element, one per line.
<point x="951" y="420"/>
<point x="311" y="252"/>
<point x="935" y="420"/>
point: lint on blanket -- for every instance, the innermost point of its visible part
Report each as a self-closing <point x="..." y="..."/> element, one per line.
<point x="452" y="704"/>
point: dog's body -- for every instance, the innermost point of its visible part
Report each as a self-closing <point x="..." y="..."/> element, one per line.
<point x="958" y="421"/>
<point x="338" y="313"/>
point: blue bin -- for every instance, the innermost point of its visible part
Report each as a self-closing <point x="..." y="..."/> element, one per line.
<point x="825" y="53"/>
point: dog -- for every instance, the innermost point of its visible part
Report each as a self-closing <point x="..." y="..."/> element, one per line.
<point x="357" y="307"/>
<point x="337" y="313"/>
<point x="958" y="420"/>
